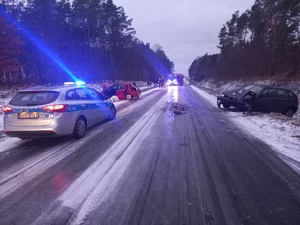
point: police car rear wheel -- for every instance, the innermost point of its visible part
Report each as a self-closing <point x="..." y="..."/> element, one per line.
<point x="80" y="128"/>
<point x="112" y="113"/>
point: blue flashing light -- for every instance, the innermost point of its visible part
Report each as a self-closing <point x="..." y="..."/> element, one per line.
<point x="79" y="82"/>
<point x="156" y="64"/>
<point x="68" y="83"/>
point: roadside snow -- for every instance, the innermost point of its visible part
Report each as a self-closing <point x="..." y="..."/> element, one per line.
<point x="279" y="132"/>
<point x="216" y="88"/>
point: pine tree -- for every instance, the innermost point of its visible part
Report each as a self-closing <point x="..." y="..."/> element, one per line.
<point x="10" y="52"/>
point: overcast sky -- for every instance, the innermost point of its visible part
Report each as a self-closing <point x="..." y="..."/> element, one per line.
<point x="184" y="28"/>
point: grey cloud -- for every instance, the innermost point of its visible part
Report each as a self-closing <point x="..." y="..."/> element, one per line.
<point x="184" y="28"/>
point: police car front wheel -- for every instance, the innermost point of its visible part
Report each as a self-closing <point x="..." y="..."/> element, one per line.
<point x="80" y="128"/>
<point x="112" y="113"/>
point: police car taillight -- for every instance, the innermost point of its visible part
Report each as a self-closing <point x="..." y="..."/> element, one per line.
<point x="7" y="109"/>
<point x="55" y="108"/>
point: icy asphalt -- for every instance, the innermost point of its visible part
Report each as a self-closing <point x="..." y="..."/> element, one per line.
<point x="169" y="158"/>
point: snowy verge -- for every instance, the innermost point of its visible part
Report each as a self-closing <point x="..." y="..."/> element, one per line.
<point x="282" y="134"/>
<point x="216" y="87"/>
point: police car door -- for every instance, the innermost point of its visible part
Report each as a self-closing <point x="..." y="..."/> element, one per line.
<point x="99" y="105"/>
<point x="85" y="106"/>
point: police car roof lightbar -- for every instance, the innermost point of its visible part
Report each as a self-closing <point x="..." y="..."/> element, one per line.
<point x="74" y="83"/>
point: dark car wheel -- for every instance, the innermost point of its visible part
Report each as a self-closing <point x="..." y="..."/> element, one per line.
<point x="112" y="113"/>
<point x="80" y="128"/>
<point x="248" y="107"/>
<point x="225" y="106"/>
<point x="128" y="96"/>
<point x="289" y="112"/>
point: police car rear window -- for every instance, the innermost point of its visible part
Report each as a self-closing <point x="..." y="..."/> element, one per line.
<point x="33" y="98"/>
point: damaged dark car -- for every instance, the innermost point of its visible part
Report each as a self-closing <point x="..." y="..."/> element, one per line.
<point x="260" y="98"/>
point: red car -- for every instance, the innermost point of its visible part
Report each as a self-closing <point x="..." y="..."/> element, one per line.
<point x="124" y="90"/>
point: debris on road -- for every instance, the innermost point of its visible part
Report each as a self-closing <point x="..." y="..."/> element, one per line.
<point x="114" y="98"/>
<point x="178" y="109"/>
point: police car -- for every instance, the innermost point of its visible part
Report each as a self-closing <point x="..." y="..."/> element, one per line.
<point x="44" y="111"/>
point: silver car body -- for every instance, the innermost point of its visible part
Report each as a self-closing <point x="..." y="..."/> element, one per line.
<point x="33" y="119"/>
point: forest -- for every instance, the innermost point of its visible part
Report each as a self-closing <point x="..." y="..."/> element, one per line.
<point x="52" y="41"/>
<point x="262" y="42"/>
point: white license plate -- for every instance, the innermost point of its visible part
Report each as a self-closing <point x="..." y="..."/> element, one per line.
<point x="34" y="115"/>
<point x="28" y="115"/>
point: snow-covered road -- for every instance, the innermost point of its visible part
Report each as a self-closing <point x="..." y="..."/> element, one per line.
<point x="281" y="133"/>
<point x="169" y="156"/>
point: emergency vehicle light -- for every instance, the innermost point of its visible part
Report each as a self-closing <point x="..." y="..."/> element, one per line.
<point x="68" y="83"/>
<point x="80" y="82"/>
<point x="74" y="83"/>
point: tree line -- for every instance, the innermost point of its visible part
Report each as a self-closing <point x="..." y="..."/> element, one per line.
<point x="52" y="41"/>
<point x="261" y="42"/>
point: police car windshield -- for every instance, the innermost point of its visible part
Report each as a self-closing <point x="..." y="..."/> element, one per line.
<point x="28" y="98"/>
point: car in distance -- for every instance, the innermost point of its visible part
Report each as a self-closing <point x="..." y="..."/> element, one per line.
<point x="46" y="111"/>
<point x="260" y="98"/>
<point x="123" y="90"/>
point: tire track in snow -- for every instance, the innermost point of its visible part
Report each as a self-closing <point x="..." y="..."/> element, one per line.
<point x="16" y="176"/>
<point x="95" y="184"/>
<point x="33" y="167"/>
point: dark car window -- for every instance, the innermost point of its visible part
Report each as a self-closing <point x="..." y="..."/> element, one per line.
<point x="32" y="98"/>
<point x="291" y="94"/>
<point x="268" y="93"/>
<point x="264" y="93"/>
<point x="256" y="89"/>
<point x="282" y="94"/>
<point x="272" y="93"/>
